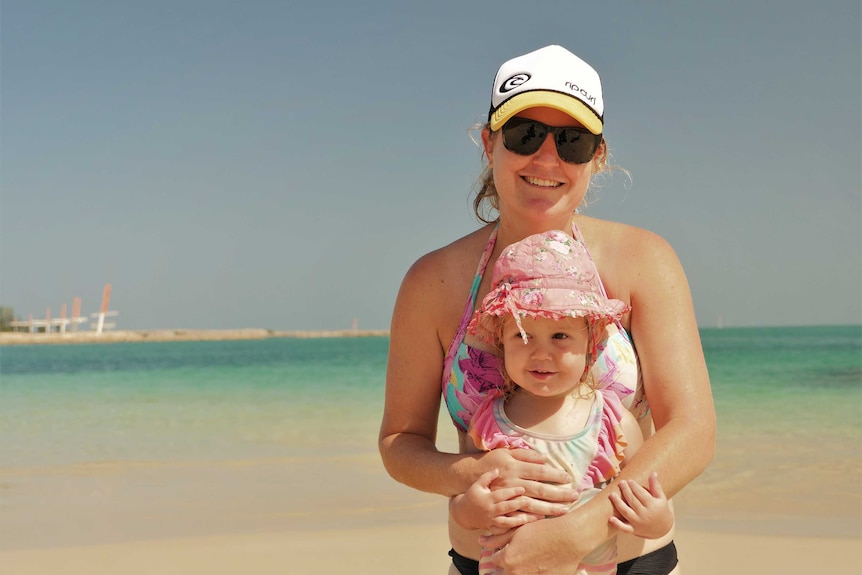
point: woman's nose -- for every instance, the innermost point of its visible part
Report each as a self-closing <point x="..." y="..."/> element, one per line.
<point x="547" y="152"/>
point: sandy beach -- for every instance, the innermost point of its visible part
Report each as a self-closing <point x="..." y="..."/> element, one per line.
<point x="392" y="545"/>
<point x="335" y="515"/>
<point x="403" y="549"/>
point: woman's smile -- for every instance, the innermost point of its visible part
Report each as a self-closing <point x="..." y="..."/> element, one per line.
<point x="541" y="182"/>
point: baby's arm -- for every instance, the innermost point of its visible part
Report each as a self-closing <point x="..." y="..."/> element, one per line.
<point x="644" y="513"/>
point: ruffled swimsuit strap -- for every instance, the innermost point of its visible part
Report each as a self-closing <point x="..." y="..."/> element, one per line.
<point x="467" y="315"/>
<point x="577" y="235"/>
<point x="638" y="405"/>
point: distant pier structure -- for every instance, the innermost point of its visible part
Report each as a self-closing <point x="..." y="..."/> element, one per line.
<point x="63" y="324"/>
<point x="100" y="324"/>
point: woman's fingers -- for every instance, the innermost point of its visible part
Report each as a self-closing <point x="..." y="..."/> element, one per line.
<point x="497" y="540"/>
<point x="527" y="455"/>
<point x="528" y="465"/>
<point x="551" y="493"/>
<point x="530" y="506"/>
<point x="542" y="507"/>
<point x="503" y="523"/>
<point x="546" y="489"/>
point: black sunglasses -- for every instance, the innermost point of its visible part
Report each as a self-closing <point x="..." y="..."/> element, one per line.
<point x="574" y="145"/>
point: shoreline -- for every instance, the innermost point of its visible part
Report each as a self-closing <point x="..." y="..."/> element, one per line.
<point x="179" y="334"/>
<point x="162" y="335"/>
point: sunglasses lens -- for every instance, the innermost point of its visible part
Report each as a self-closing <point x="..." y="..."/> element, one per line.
<point x="574" y="145"/>
<point x="523" y="137"/>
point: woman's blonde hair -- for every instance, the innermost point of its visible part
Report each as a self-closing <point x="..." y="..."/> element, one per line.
<point x="486" y="202"/>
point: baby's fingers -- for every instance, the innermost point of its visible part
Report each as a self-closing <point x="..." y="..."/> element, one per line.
<point x="624" y="527"/>
<point x="484" y="481"/>
<point x="655" y="486"/>
<point x="506" y="494"/>
<point x="634" y="494"/>
<point x="623" y="507"/>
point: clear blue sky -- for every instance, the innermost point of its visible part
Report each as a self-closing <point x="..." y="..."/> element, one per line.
<point x="274" y="164"/>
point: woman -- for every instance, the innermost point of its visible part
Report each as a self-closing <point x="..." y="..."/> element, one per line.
<point x="536" y="183"/>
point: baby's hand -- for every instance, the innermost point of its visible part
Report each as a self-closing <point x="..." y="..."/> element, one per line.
<point x="495" y="510"/>
<point x="644" y="513"/>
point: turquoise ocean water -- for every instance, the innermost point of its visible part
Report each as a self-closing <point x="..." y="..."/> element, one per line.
<point x="62" y="404"/>
<point x="66" y="404"/>
<point x="241" y="422"/>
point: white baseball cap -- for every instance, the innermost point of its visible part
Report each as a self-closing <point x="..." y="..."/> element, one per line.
<point x="549" y="77"/>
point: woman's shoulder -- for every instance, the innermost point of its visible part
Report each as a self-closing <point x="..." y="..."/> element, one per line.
<point x="452" y="261"/>
<point x="438" y="282"/>
<point x="622" y="243"/>
<point x="436" y="286"/>
<point x="629" y="258"/>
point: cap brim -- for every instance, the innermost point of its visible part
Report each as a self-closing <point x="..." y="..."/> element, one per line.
<point x="545" y="99"/>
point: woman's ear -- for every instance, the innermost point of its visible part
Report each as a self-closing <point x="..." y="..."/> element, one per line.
<point x="488" y="145"/>
<point x="601" y="151"/>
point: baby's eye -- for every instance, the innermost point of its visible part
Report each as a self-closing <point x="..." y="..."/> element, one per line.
<point x="516" y="335"/>
<point x="561" y="335"/>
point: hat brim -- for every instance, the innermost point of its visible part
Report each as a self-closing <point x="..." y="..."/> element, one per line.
<point x="483" y="323"/>
<point x="546" y="99"/>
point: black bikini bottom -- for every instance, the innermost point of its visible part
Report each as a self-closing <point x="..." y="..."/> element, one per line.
<point x="659" y="562"/>
<point x="464" y="565"/>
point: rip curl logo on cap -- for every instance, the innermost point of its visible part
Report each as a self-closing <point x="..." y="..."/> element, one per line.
<point x="514" y="82"/>
<point x="587" y="97"/>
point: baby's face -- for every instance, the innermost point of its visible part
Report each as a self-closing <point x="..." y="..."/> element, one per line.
<point x="552" y="360"/>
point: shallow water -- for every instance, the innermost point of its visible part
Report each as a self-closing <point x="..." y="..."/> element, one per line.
<point x="249" y="434"/>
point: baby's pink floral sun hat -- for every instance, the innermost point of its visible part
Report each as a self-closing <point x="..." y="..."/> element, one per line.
<point x="549" y="275"/>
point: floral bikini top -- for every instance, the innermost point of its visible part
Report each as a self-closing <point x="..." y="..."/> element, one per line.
<point x="469" y="374"/>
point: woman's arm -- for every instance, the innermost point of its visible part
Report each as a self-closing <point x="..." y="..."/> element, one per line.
<point x="408" y="431"/>
<point x="664" y="329"/>
<point x="676" y="381"/>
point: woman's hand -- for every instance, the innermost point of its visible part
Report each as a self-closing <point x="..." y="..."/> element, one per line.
<point x="546" y="490"/>
<point x="537" y="547"/>
<point x="521" y="488"/>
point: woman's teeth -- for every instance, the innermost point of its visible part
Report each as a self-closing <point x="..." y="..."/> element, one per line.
<point x="542" y="182"/>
